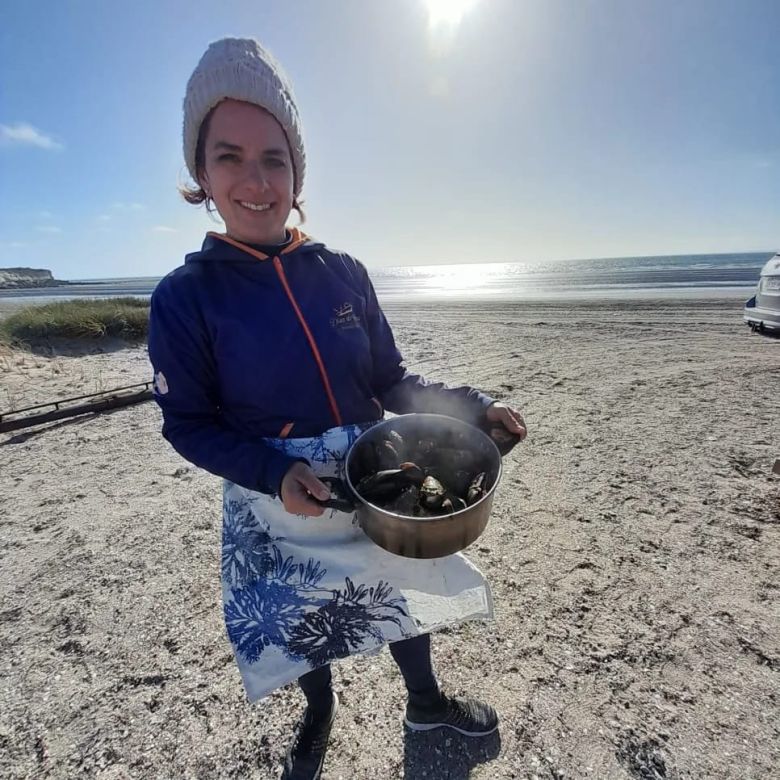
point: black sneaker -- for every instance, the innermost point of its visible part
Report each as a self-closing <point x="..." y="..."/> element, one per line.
<point x="470" y="717"/>
<point x="306" y="754"/>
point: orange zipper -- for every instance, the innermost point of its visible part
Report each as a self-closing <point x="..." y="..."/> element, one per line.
<point x="298" y="238"/>
<point x="317" y="357"/>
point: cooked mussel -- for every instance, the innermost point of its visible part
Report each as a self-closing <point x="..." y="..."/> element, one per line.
<point x="432" y="493"/>
<point x="456" y="482"/>
<point x="406" y="501"/>
<point x="423" y="450"/>
<point x="387" y="456"/>
<point x="453" y="503"/>
<point x="453" y="459"/>
<point x="398" y="443"/>
<point x="387" y="484"/>
<point x="476" y="489"/>
<point x="365" y="460"/>
<point x="381" y="484"/>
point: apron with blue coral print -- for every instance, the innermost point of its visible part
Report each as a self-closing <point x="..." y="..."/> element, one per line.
<point x="300" y="592"/>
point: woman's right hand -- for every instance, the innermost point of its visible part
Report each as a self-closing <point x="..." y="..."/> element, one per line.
<point x="298" y="486"/>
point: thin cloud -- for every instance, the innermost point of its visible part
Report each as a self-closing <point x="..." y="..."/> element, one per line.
<point x="119" y="206"/>
<point x="164" y="229"/>
<point x="104" y="218"/>
<point x="23" y="134"/>
<point x="48" y="229"/>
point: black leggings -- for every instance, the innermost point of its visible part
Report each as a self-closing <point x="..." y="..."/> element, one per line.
<point x="413" y="657"/>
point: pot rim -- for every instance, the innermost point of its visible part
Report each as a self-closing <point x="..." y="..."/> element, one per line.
<point x="396" y="515"/>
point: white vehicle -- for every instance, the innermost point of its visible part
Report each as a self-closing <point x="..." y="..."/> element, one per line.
<point x="762" y="311"/>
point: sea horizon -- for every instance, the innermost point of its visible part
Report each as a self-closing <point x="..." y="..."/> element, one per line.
<point x="661" y="276"/>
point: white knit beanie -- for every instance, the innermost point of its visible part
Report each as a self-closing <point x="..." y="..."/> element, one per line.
<point x="240" y="68"/>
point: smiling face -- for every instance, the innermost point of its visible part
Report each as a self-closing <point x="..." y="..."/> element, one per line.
<point x="248" y="172"/>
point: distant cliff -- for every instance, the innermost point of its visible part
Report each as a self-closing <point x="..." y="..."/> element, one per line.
<point x="16" y="278"/>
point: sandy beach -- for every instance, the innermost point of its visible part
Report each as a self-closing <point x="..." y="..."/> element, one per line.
<point x="633" y="552"/>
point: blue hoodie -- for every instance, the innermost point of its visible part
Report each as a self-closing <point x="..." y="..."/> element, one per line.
<point x="246" y="347"/>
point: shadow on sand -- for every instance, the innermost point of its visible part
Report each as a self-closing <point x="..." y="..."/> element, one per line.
<point x="443" y="754"/>
<point x="71" y="347"/>
<point x="38" y="430"/>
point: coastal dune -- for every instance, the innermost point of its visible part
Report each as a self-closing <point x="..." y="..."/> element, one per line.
<point x="632" y="551"/>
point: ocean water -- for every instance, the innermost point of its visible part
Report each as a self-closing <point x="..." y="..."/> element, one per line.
<point x="723" y="275"/>
<point x="625" y="277"/>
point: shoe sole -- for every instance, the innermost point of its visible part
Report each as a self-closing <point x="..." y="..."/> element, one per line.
<point x="432" y="726"/>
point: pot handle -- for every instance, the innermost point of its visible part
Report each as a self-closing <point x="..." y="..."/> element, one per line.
<point x="503" y="439"/>
<point x="340" y="499"/>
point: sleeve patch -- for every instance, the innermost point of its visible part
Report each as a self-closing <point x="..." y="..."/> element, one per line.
<point x="159" y="384"/>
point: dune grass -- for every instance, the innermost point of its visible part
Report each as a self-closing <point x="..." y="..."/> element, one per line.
<point x="83" y="319"/>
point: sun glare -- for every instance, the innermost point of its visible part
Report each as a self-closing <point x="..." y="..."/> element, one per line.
<point x="447" y="12"/>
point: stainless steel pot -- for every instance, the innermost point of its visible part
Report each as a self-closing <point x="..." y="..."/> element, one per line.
<point x="423" y="537"/>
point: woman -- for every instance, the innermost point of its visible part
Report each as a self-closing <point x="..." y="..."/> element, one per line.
<point x="271" y="355"/>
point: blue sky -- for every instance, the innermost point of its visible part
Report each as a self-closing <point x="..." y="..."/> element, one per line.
<point x="533" y="130"/>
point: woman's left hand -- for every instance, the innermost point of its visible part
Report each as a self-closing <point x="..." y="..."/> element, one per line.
<point x="510" y="418"/>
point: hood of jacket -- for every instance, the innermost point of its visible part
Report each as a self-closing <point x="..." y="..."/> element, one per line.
<point x="217" y="247"/>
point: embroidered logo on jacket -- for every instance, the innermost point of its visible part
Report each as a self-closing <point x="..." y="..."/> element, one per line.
<point x="344" y="317"/>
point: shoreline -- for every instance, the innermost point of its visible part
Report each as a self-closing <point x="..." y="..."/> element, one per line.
<point x="622" y="298"/>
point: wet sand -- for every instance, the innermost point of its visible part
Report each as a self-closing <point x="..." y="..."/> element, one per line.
<point x="633" y="553"/>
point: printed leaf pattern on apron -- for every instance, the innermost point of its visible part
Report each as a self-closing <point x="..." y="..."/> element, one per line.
<point x="339" y="627"/>
<point x="276" y="599"/>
